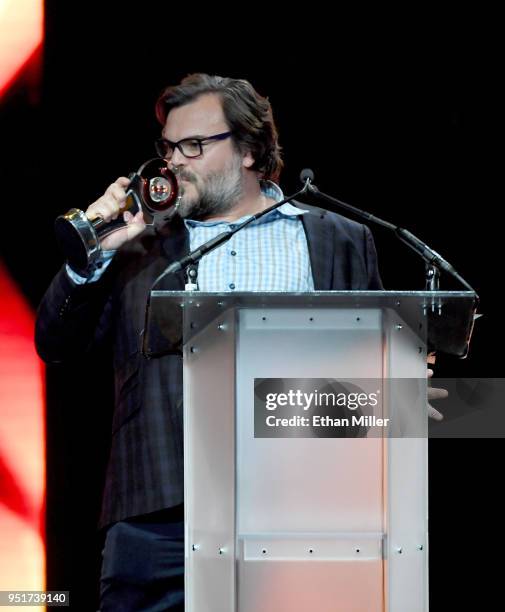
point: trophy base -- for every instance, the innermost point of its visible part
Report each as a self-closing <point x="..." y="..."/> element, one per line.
<point x="77" y="239"/>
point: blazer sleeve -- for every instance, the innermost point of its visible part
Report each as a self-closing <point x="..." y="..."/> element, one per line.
<point x="72" y="318"/>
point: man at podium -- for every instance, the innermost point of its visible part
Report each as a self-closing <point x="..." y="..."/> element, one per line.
<point x="219" y="136"/>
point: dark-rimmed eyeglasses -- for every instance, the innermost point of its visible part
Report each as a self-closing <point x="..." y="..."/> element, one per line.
<point x="189" y="147"/>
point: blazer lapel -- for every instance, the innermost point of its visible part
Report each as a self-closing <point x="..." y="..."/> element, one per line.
<point x="174" y="246"/>
<point x="320" y="243"/>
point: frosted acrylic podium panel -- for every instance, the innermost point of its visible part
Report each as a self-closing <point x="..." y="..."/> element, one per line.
<point x="274" y="524"/>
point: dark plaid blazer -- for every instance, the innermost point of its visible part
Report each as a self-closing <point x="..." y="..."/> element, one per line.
<point x="145" y="469"/>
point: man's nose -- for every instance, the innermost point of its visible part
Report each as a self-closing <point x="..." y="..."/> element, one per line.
<point x="178" y="158"/>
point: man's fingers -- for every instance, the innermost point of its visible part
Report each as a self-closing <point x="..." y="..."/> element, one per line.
<point x="113" y="200"/>
<point x="123" y="181"/>
<point x="434" y="393"/>
<point x="117" y="193"/>
<point x="129" y="218"/>
<point x="108" y="206"/>
<point x="139" y="218"/>
<point x="434" y="414"/>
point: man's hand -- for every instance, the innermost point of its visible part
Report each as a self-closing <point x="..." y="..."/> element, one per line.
<point x="434" y="394"/>
<point x="110" y="206"/>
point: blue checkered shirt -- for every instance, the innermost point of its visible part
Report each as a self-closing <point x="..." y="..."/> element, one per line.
<point x="270" y="254"/>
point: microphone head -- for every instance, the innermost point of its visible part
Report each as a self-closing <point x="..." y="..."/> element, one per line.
<point x="305" y="174"/>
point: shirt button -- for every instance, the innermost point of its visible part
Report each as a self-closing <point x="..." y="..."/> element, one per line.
<point x="232" y="226"/>
<point x="233" y="253"/>
<point x="231" y="285"/>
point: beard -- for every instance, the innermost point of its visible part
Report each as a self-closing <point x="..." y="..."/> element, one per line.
<point x="217" y="193"/>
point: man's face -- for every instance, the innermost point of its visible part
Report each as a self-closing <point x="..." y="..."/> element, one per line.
<point x="211" y="183"/>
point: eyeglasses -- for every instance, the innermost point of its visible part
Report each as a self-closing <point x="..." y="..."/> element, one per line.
<point x="189" y="147"/>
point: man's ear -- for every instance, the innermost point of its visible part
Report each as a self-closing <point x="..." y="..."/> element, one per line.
<point x="248" y="160"/>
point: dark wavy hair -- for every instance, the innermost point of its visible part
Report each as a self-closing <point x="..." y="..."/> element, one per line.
<point x="248" y="115"/>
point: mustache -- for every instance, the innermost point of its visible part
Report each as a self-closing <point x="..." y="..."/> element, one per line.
<point x="186" y="176"/>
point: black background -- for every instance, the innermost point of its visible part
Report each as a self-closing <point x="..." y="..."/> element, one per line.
<point x="397" y="114"/>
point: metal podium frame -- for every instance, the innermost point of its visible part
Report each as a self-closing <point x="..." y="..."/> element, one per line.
<point x="329" y="524"/>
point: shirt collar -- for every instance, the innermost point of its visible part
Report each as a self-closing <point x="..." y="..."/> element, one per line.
<point x="270" y="190"/>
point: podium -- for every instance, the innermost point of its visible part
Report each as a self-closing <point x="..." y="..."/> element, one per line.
<point x="291" y="519"/>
